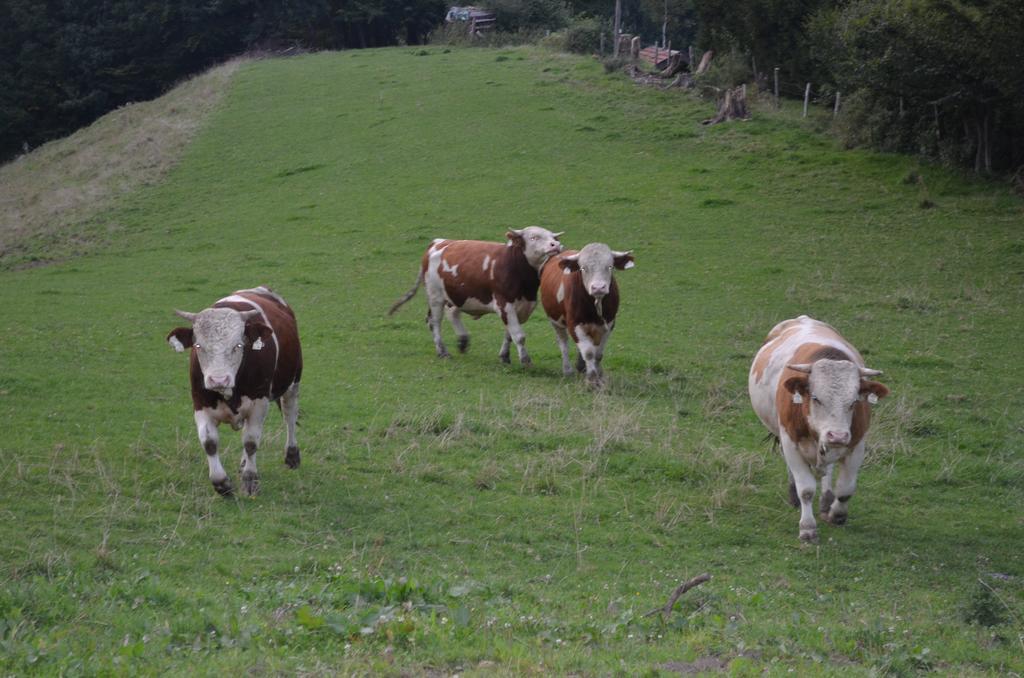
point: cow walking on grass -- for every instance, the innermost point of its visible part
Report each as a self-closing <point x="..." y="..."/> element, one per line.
<point x="477" y="278"/>
<point x="581" y="298"/>
<point x="245" y="354"/>
<point x="810" y="388"/>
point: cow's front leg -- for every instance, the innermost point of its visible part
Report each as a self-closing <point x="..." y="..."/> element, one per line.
<point x="588" y="351"/>
<point x="515" y="332"/>
<point x="804" y="481"/>
<point x="206" y="426"/>
<point x="846" y="485"/>
<point x="252" y="432"/>
<point x="503" y="353"/>
<point x="600" y="351"/>
<point x="290" y="410"/>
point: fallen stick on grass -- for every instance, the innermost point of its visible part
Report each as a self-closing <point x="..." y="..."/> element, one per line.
<point x="680" y="590"/>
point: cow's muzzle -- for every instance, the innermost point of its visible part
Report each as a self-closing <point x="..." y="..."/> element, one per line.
<point x="218" y="382"/>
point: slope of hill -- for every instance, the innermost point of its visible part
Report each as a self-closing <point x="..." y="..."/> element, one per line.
<point x="465" y="516"/>
<point x="54" y="197"/>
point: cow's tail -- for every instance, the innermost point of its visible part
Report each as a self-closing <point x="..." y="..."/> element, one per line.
<point x="408" y="295"/>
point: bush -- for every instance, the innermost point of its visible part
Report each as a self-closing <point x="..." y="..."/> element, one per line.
<point x="583" y="35"/>
<point x="516" y="15"/>
<point x="727" y="70"/>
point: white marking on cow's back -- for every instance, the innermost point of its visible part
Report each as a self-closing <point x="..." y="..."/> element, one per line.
<point x="448" y="268"/>
<point x="487" y="261"/>
<point x="560" y="295"/>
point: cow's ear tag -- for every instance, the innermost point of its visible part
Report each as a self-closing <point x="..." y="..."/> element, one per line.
<point x="258" y="344"/>
<point x="797" y="398"/>
<point x="872" y="398"/>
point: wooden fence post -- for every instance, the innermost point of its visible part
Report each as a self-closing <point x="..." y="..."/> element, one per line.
<point x="601" y="51"/>
<point x="807" y="97"/>
<point x="691" y="59"/>
<point x="657" y="53"/>
<point x="634" y="47"/>
<point x="776" y="87"/>
<point x="835" y="111"/>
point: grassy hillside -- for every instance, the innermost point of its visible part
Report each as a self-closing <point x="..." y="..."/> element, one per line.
<point x="461" y="516"/>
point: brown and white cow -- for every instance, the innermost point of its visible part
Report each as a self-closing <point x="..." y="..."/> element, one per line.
<point x="581" y="298"/>
<point x="476" y="278"/>
<point x="245" y="354"/>
<point x="810" y="387"/>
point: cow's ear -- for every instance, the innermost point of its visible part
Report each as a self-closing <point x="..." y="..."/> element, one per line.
<point x="258" y="335"/>
<point x="570" y="263"/>
<point x="623" y="260"/>
<point x="180" y="338"/>
<point x="515" y="237"/>
<point x="795" y="385"/>
<point x="873" y="388"/>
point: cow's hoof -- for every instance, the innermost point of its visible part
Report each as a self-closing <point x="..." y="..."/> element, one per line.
<point x="250" y="483"/>
<point x="463" y="344"/>
<point x="223" y="487"/>
<point x="581" y="364"/>
<point x="837" y="518"/>
<point x="292" y="458"/>
<point x="809" y="536"/>
<point x="505" y="358"/>
<point x="443" y="353"/>
<point x="825" y="504"/>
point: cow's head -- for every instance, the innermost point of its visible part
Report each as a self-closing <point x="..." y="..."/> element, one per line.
<point x="832" y="389"/>
<point x="219" y="337"/>
<point x="595" y="262"/>
<point x="538" y="243"/>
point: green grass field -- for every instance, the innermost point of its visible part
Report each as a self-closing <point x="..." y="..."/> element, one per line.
<point x="464" y="516"/>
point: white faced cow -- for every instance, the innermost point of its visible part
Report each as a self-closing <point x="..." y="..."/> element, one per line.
<point x="810" y="387"/>
<point x="476" y="278"/>
<point x="581" y="298"/>
<point x="245" y="354"/>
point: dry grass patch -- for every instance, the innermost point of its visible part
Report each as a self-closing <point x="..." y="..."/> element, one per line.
<point x="50" y="198"/>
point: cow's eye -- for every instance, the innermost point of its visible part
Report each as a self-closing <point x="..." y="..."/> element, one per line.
<point x="536" y="237"/>
<point x="238" y="346"/>
<point x="198" y="347"/>
<point x="583" y="268"/>
<point x="815" y="399"/>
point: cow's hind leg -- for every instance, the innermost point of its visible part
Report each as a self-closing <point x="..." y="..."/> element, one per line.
<point x="434" y="321"/>
<point x="455" y="317"/>
<point x="504" y="354"/>
<point x="290" y="410"/>
<point x="827" y="497"/>
<point x="794" y="497"/>
<point x="846" y="485"/>
<point x="252" y="432"/>
<point x="206" y="426"/>
<point x="562" y="335"/>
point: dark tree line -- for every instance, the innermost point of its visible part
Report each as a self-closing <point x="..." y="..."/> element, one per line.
<point x="941" y="78"/>
<point x="63" y="63"/>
